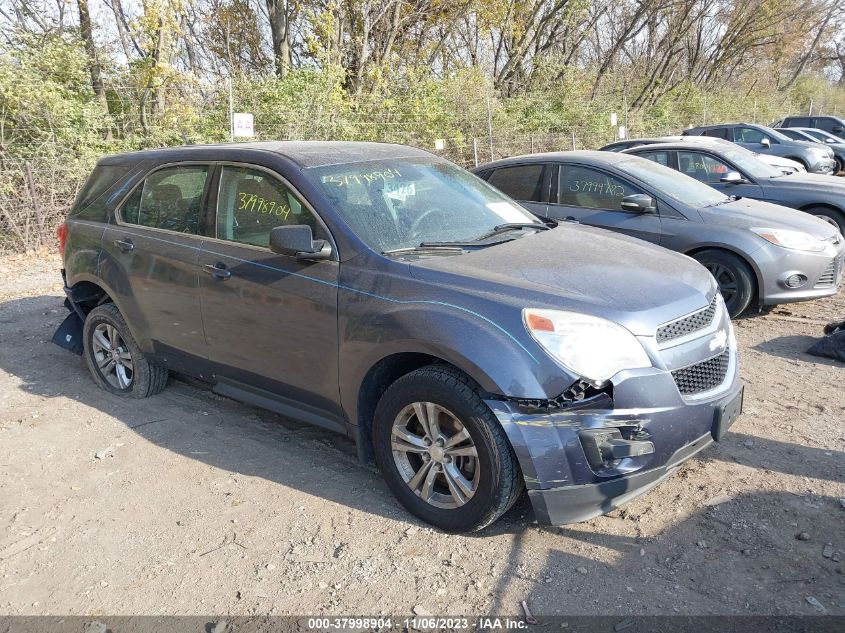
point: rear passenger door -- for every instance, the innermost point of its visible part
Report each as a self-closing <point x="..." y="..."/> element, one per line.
<point x="150" y="259"/>
<point x="528" y="184"/>
<point x="593" y="197"/>
<point x="270" y="319"/>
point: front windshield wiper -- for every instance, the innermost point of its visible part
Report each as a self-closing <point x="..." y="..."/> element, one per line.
<point x="426" y="246"/>
<point x="512" y="226"/>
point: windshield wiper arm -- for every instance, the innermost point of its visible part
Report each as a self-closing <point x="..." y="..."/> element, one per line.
<point x="455" y="246"/>
<point x="512" y="226"/>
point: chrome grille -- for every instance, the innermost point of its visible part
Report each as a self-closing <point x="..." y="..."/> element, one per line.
<point x="688" y="324"/>
<point x="703" y="376"/>
<point x="828" y="278"/>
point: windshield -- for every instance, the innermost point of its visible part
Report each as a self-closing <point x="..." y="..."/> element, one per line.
<point x="820" y="135"/>
<point x="403" y="203"/>
<point x="671" y="183"/>
<point x="749" y="164"/>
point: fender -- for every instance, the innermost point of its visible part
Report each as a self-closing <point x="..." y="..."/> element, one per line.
<point x="506" y="362"/>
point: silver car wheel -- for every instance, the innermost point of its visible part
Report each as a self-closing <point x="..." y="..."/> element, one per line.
<point x="435" y="455"/>
<point x="112" y="356"/>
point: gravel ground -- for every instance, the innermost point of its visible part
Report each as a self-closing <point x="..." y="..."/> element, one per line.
<point x="189" y="503"/>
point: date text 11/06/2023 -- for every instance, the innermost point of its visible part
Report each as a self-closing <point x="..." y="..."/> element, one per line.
<point x="419" y="623"/>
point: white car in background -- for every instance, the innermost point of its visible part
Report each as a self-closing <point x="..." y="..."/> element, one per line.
<point x="785" y="165"/>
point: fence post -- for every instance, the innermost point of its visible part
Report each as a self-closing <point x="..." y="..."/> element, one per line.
<point x="475" y="151"/>
<point x="573" y="140"/>
<point x="531" y="140"/>
<point x="39" y="217"/>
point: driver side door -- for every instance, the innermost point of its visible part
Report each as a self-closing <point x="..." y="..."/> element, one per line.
<point x="592" y="196"/>
<point x="710" y="170"/>
<point x="270" y="320"/>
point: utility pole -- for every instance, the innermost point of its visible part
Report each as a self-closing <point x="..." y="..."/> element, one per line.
<point x="231" y="113"/>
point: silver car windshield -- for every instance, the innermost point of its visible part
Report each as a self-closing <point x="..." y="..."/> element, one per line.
<point x="402" y="203"/>
<point x="671" y="183"/>
<point x="749" y="163"/>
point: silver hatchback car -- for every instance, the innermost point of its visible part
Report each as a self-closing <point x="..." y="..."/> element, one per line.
<point x="759" y="253"/>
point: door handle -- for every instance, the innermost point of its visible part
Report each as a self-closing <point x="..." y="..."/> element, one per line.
<point x="124" y="245"/>
<point x="218" y="271"/>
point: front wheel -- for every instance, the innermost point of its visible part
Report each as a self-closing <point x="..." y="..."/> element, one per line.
<point x="831" y="216"/>
<point x="735" y="278"/>
<point x="443" y="453"/>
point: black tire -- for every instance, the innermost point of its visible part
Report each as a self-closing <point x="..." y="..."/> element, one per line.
<point x="500" y="480"/>
<point x="145" y="379"/>
<point x="831" y="216"/>
<point x="838" y="166"/>
<point x="735" y="278"/>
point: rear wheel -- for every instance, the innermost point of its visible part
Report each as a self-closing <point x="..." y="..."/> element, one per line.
<point x="114" y="358"/>
<point x="734" y="276"/>
<point x="831" y="216"/>
<point x="443" y="453"/>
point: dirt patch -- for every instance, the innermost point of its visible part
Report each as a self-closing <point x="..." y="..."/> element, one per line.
<point x="188" y="503"/>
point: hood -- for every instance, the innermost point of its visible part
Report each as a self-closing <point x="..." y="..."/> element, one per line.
<point x="808" y="182"/>
<point x="747" y="213"/>
<point x="582" y="269"/>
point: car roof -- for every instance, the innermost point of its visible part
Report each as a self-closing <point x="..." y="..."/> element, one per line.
<point x="589" y="157"/>
<point x="304" y="153"/>
<point x="698" y="145"/>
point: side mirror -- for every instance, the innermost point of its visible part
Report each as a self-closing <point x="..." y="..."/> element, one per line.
<point x="765" y="142"/>
<point x="732" y="178"/>
<point x="638" y="203"/>
<point x="837" y="129"/>
<point x="298" y="241"/>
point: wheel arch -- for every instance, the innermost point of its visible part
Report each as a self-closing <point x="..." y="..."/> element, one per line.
<point x="758" y="275"/>
<point x="800" y="160"/>
<point x="377" y="379"/>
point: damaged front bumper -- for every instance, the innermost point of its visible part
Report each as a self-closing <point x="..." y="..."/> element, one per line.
<point x="587" y="459"/>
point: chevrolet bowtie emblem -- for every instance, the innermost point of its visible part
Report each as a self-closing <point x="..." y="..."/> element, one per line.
<point x="719" y="341"/>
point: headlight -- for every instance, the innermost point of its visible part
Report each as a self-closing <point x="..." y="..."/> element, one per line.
<point x="795" y="240"/>
<point x="592" y="347"/>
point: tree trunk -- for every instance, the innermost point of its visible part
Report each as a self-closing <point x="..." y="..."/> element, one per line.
<point x="277" y="12"/>
<point x="93" y="65"/>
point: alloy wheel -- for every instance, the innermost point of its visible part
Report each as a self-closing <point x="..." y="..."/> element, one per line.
<point x="435" y="455"/>
<point x="112" y="356"/>
<point x="725" y="278"/>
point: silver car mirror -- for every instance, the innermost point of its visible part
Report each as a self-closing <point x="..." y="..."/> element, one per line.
<point x="732" y="178"/>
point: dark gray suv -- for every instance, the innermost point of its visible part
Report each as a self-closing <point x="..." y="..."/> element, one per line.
<point x="384" y="293"/>
<point x="815" y="157"/>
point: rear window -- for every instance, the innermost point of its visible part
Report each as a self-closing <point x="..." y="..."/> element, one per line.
<point x="522" y="182"/>
<point x="89" y="204"/>
<point x="797" y="121"/>
<point x="719" y="132"/>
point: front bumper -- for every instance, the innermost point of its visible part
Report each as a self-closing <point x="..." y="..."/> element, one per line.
<point x="582" y="493"/>
<point x="821" y="273"/>
<point x="822" y="166"/>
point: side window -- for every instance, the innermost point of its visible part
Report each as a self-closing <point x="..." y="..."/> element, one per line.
<point x="591" y="189"/>
<point x="170" y="198"/>
<point x="718" y="132"/>
<point x="799" y="122"/>
<point x="748" y="135"/>
<point x="702" y="167"/>
<point x="252" y="202"/>
<point x="793" y="134"/>
<point x="660" y="157"/>
<point x="523" y="182"/>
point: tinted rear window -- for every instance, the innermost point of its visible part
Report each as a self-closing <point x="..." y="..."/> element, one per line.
<point x="90" y="204"/>
<point x="522" y="182"/>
